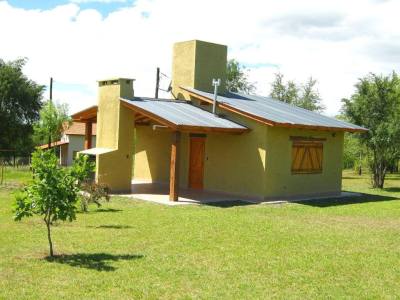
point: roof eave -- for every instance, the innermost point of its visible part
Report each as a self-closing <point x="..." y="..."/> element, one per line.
<point x="88" y="114"/>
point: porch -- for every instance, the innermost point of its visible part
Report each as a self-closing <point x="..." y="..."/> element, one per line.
<point x="160" y="193"/>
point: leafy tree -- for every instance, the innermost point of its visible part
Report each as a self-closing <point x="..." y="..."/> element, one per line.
<point x="19" y="106"/>
<point x="53" y="118"/>
<point x="278" y="90"/>
<point x="376" y="106"/>
<point x="237" y="80"/>
<point x="310" y="98"/>
<point x="354" y="153"/>
<point x="53" y="193"/>
<point x="281" y="91"/>
<point x="305" y="95"/>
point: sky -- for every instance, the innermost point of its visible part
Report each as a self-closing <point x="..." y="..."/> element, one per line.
<point x="80" y="41"/>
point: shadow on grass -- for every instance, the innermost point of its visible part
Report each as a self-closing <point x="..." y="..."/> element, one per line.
<point x="229" y="203"/>
<point x="111" y="226"/>
<point x="392" y="189"/>
<point x="364" y="198"/>
<point x="94" y="261"/>
<point x="106" y="210"/>
<point x="353" y="177"/>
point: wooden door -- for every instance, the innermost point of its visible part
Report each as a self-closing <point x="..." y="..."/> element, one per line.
<point x="196" y="162"/>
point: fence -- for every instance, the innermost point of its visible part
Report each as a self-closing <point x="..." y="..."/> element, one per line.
<point x="8" y="160"/>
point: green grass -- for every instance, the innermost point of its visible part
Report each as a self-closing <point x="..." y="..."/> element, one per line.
<point x="131" y="249"/>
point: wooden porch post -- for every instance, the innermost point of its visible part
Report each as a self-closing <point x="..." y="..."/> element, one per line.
<point x="174" y="167"/>
<point x="88" y="135"/>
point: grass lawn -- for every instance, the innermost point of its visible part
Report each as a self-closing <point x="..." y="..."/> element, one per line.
<point x="131" y="249"/>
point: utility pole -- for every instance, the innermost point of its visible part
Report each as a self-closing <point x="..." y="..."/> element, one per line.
<point x="157" y="83"/>
<point x="51" y="89"/>
<point x="216" y="83"/>
<point x="51" y="102"/>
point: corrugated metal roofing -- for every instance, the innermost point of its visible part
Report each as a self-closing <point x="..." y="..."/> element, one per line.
<point x="182" y="113"/>
<point x="277" y="111"/>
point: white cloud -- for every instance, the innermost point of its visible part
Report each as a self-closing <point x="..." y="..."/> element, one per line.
<point x="334" y="41"/>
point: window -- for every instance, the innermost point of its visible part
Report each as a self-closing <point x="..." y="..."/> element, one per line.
<point x="307" y="156"/>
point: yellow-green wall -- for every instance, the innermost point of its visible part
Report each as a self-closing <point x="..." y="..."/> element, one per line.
<point x="279" y="179"/>
<point x="115" y="131"/>
<point x="236" y="163"/>
<point x="153" y="155"/>
<point x="255" y="164"/>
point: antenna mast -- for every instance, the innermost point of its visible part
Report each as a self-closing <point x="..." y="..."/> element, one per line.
<point x="157" y="83"/>
<point x="216" y="83"/>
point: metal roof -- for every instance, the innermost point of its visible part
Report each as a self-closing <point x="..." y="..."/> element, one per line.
<point x="182" y="113"/>
<point x="278" y="112"/>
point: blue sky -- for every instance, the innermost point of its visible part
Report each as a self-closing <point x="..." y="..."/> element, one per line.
<point x="102" y="6"/>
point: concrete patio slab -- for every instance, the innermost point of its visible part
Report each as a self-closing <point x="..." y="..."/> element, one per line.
<point x="159" y="193"/>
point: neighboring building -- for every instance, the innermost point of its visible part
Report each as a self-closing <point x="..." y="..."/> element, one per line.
<point x="254" y="146"/>
<point x="72" y="141"/>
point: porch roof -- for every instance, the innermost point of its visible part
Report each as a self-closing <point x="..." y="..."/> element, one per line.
<point x="181" y="115"/>
<point x="88" y="114"/>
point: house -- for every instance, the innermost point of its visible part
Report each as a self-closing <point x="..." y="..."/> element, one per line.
<point x="251" y="146"/>
<point x="72" y="141"/>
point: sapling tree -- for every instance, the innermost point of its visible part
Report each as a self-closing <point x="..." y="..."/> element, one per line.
<point x="53" y="193"/>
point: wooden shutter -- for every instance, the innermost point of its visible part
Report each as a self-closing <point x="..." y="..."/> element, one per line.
<point x="307" y="157"/>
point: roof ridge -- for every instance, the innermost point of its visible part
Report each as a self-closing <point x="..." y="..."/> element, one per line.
<point x="154" y="99"/>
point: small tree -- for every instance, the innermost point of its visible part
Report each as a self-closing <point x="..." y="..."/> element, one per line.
<point x="93" y="192"/>
<point x="53" y="118"/>
<point x="237" y="80"/>
<point x="54" y="191"/>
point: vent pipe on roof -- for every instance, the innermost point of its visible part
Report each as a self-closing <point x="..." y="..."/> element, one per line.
<point x="216" y="83"/>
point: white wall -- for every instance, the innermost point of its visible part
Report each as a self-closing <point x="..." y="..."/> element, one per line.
<point x="76" y="143"/>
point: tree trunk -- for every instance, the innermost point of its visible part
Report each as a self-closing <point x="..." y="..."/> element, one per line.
<point x="49" y="237"/>
<point x="379" y="171"/>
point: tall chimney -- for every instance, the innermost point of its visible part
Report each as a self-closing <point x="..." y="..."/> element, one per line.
<point x="195" y="64"/>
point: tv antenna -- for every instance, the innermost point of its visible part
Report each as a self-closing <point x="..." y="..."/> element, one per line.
<point x="160" y="77"/>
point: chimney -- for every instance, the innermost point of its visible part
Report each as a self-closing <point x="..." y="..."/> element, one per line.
<point x="195" y="64"/>
<point x="108" y="116"/>
<point x="115" y="132"/>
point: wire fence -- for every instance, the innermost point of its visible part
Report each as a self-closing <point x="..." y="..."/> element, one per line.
<point x="9" y="162"/>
